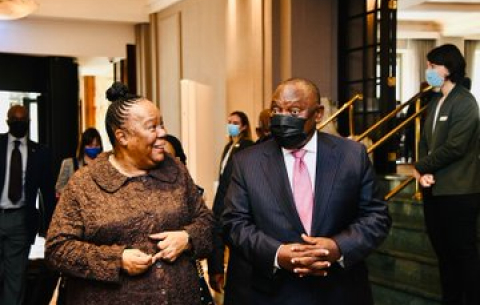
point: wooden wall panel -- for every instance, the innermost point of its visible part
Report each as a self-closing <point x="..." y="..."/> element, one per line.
<point x="198" y="31"/>
<point x="169" y="56"/>
<point x="245" y="74"/>
<point x="89" y="101"/>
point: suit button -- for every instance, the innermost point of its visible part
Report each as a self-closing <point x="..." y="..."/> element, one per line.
<point x="158" y="264"/>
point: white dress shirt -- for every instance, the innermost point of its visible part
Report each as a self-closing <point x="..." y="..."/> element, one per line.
<point x="310" y="160"/>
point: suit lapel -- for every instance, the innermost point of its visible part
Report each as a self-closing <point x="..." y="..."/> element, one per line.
<point x="429" y="121"/>
<point x="277" y="177"/>
<point x="3" y="157"/>
<point x="327" y="166"/>
<point x="444" y="111"/>
<point x="31" y="149"/>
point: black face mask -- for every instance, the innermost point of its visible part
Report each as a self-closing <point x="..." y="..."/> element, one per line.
<point x="18" y="129"/>
<point x="288" y="131"/>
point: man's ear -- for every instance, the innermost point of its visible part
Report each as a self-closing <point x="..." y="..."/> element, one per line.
<point x="319" y="113"/>
<point x="121" y="136"/>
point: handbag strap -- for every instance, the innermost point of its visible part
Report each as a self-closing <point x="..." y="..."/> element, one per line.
<point x="198" y="264"/>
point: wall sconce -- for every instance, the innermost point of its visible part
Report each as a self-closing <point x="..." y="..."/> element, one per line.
<point x="16" y="9"/>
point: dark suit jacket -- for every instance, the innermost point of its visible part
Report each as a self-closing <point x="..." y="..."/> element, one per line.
<point x="260" y="215"/>
<point x="39" y="177"/>
<point x="452" y="152"/>
<point x="238" y="268"/>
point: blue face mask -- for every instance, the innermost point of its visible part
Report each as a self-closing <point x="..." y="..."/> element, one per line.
<point x="233" y="130"/>
<point x="433" y="78"/>
<point x="92" y="152"/>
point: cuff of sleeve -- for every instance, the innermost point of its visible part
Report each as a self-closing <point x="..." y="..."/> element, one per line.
<point x="420" y="169"/>
<point x="276" y="266"/>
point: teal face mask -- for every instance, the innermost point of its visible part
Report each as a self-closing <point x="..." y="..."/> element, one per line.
<point x="233" y="130"/>
<point x="433" y="78"/>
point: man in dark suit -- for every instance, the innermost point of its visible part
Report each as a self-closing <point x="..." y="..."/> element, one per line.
<point x="305" y="235"/>
<point x="25" y="168"/>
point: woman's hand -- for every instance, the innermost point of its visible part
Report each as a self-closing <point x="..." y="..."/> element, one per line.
<point x="426" y="180"/>
<point x="135" y="262"/>
<point x="171" y="244"/>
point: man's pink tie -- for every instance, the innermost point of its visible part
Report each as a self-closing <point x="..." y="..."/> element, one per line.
<point x="302" y="190"/>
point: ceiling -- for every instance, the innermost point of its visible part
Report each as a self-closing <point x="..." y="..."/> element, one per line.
<point x="416" y="18"/>
<point x="125" y="11"/>
<point x="442" y="17"/>
<point x="450" y="18"/>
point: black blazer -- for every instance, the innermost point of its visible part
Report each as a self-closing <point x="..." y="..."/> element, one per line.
<point x="39" y="177"/>
<point x="452" y="152"/>
<point x="260" y="215"/>
<point x="215" y="261"/>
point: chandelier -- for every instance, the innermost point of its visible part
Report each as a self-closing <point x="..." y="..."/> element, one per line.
<point x="15" y="9"/>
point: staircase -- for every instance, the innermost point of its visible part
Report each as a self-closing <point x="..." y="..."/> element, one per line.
<point x="404" y="270"/>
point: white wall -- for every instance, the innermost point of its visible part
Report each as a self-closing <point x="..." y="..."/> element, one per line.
<point x="93" y="43"/>
<point x="191" y="35"/>
<point x="65" y="38"/>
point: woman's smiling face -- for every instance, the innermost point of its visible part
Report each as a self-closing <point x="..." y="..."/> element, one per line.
<point x="145" y="135"/>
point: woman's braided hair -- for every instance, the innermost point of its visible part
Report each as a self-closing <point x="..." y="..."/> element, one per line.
<point x="122" y="100"/>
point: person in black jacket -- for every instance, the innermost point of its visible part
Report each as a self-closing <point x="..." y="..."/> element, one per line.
<point x="25" y="170"/>
<point x="448" y="170"/>
<point x="236" y="290"/>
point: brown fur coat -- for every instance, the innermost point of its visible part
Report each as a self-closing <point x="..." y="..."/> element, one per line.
<point x="101" y="212"/>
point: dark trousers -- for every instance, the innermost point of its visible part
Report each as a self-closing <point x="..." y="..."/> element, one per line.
<point x="239" y="280"/>
<point x="451" y="223"/>
<point x="14" y="249"/>
<point x="41" y="283"/>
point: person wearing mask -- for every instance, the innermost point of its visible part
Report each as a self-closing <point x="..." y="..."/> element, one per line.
<point x="263" y="129"/>
<point x="177" y="148"/>
<point x="448" y="170"/>
<point x="425" y="98"/>
<point x="89" y="148"/>
<point x="240" y="137"/>
<point x="25" y="170"/>
<point x="304" y="209"/>
<point x="129" y="226"/>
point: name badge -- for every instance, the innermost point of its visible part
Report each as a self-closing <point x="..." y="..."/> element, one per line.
<point x="443" y="118"/>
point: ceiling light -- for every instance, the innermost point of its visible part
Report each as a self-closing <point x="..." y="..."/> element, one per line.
<point x="15" y="9"/>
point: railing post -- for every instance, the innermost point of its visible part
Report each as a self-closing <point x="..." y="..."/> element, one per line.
<point x="351" y="123"/>
<point x="417" y="129"/>
<point x="418" y="120"/>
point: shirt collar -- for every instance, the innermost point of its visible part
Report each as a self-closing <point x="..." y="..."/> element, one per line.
<point x="22" y="140"/>
<point x="310" y="147"/>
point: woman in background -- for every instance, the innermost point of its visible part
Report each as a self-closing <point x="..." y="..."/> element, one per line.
<point x="129" y="226"/>
<point x="89" y="148"/>
<point x="449" y="171"/>
<point x="236" y="291"/>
